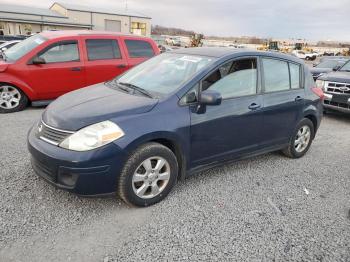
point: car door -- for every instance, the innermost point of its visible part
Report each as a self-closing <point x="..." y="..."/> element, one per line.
<point x="283" y="99"/>
<point x="61" y="71"/>
<point x="234" y="126"/>
<point x="138" y="50"/>
<point x="104" y="58"/>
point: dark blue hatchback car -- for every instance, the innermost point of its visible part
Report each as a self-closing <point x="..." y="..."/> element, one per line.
<point x="175" y="114"/>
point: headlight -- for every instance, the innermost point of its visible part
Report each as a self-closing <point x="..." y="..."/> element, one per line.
<point x="320" y="83"/>
<point x="93" y="136"/>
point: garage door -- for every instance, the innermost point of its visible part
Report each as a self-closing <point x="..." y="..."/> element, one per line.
<point x="113" y="25"/>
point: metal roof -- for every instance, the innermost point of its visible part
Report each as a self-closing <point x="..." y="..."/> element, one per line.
<point x="94" y="9"/>
<point x="19" y="9"/>
<point x="219" y="52"/>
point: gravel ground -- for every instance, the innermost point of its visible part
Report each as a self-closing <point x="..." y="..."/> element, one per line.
<point x="269" y="208"/>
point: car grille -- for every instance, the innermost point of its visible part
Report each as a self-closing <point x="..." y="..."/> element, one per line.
<point x="44" y="170"/>
<point x="52" y="135"/>
<point x="338" y="88"/>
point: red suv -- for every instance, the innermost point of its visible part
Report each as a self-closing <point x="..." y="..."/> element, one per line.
<point x="49" y="64"/>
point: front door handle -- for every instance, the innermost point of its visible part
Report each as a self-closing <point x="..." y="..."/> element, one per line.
<point x="254" y="106"/>
<point x="121" y="66"/>
<point x="298" y="98"/>
<point x="75" y="69"/>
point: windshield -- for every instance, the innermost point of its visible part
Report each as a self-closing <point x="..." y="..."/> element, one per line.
<point x="345" y="67"/>
<point x="328" y="64"/>
<point x="164" y="73"/>
<point x="24" y="47"/>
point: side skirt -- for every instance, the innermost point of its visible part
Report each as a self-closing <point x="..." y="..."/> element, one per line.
<point x="41" y="103"/>
<point x="232" y="160"/>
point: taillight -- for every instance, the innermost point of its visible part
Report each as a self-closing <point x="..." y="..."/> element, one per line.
<point x="318" y="91"/>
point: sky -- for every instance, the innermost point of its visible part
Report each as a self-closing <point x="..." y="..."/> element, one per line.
<point x="303" y="19"/>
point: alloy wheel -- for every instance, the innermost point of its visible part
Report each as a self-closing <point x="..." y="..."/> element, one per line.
<point x="9" y="97"/>
<point x="151" y="177"/>
<point x="302" y="139"/>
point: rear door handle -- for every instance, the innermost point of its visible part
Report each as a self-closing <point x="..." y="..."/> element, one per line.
<point x="254" y="106"/>
<point x="121" y="66"/>
<point x="298" y="98"/>
<point x="76" y="69"/>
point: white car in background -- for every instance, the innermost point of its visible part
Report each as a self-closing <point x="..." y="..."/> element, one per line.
<point x="303" y="55"/>
<point x="8" y="44"/>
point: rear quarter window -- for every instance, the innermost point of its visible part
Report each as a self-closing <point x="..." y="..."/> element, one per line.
<point x="139" y="48"/>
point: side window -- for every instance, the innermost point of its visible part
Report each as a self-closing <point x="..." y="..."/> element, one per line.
<point x="102" y="49"/>
<point x="139" y="48"/>
<point x="191" y="96"/>
<point x="66" y="51"/>
<point x="294" y="75"/>
<point x="276" y="75"/>
<point x="234" y="79"/>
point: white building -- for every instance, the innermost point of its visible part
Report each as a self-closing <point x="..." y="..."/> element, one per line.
<point x="25" y="20"/>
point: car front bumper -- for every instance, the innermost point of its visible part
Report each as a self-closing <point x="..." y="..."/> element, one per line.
<point x="336" y="102"/>
<point x="87" y="173"/>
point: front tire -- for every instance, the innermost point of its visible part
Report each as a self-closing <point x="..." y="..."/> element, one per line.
<point x="301" y="139"/>
<point x="12" y="99"/>
<point x="148" y="176"/>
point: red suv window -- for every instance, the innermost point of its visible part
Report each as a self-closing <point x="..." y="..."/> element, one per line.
<point x="102" y="49"/>
<point x="139" y="48"/>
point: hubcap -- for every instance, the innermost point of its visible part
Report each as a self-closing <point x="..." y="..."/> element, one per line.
<point x="151" y="177"/>
<point x="302" y="139"/>
<point x="9" y="97"/>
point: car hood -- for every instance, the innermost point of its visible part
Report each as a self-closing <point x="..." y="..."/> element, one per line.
<point x="320" y="70"/>
<point x="94" y="104"/>
<point x="343" y="77"/>
<point x="3" y="65"/>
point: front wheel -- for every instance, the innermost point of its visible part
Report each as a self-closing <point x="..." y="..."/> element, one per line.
<point x="12" y="99"/>
<point x="301" y="140"/>
<point x="148" y="175"/>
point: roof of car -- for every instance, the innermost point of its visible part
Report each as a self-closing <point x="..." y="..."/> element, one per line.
<point x="219" y="52"/>
<point x="54" y="34"/>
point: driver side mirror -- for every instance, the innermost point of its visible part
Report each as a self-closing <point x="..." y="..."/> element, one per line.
<point x="38" y="61"/>
<point x="210" y="98"/>
<point x="3" y="49"/>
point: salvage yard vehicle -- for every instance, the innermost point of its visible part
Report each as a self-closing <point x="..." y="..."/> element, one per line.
<point x="336" y="87"/>
<point x="173" y="115"/>
<point x="303" y="55"/>
<point x="327" y="65"/>
<point x="52" y="63"/>
<point x="7" y="45"/>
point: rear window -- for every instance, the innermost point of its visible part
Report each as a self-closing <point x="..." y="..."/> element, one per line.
<point x="276" y="74"/>
<point x="139" y="48"/>
<point x="102" y="49"/>
<point x="294" y="76"/>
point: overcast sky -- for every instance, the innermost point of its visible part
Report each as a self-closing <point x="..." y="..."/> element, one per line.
<point x="309" y="19"/>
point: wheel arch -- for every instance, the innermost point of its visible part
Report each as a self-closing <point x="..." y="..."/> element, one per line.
<point x="168" y="140"/>
<point x="314" y="121"/>
<point x="27" y="90"/>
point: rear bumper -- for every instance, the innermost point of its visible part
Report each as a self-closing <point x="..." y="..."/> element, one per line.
<point x="84" y="173"/>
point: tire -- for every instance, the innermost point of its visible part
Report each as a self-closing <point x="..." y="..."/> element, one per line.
<point x="135" y="177"/>
<point x="12" y="99"/>
<point x="292" y="149"/>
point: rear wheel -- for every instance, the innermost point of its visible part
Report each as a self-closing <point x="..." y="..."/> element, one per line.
<point x="301" y="140"/>
<point x="12" y="99"/>
<point x="148" y="175"/>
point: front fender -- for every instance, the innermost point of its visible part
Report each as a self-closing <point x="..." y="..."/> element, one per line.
<point x="10" y="79"/>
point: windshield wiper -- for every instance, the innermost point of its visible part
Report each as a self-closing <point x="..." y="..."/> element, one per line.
<point x="139" y="89"/>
